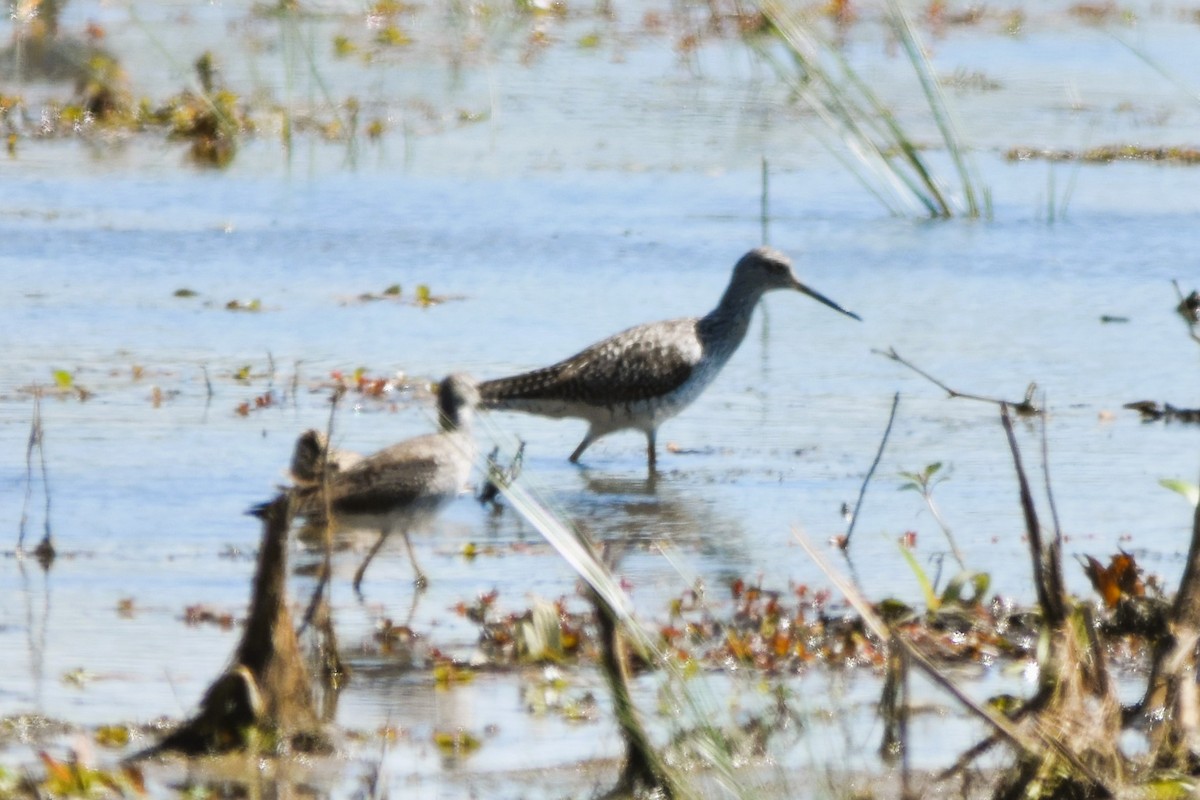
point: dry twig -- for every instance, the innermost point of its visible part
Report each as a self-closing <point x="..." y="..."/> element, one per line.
<point x="1023" y="408"/>
<point x="844" y="542"/>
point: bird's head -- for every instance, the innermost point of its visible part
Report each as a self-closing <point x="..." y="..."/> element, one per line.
<point x="767" y="269"/>
<point x="457" y="395"/>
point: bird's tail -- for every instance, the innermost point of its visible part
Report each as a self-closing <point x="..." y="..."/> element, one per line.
<point x="499" y="393"/>
<point x="305" y="502"/>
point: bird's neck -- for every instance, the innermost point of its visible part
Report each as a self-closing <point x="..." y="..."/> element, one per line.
<point x="456" y="420"/>
<point x="726" y="325"/>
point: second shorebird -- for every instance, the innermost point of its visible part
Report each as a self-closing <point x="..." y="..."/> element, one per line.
<point x="398" y="487"/>
<point x="649" y="373"/>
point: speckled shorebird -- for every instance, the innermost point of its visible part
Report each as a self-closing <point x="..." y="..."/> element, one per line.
<point x="649" y="373"/>
<point x="398" y="487"/>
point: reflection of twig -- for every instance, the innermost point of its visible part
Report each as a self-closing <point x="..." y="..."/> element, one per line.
<point x="295" y="387"/>
<point x="45" y="550"/>
<point x="844" y="543"/>
<point x="376" y="778"/>
<point x="894" y="707"/>
<point x="764" y="204"/>
<point x="207" y="383"/>
<point x="35" y="633"/>
<point x="1023" y="408"/>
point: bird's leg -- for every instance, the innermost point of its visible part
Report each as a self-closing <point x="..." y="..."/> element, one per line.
<point x="420" y="580"/>
<point x="651" y="450"/>
<point x="587" y="441"/>
<point x="362" y="568"/>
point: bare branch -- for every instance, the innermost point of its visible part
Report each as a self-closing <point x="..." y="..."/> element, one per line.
<point x="1024" y="408"/>
<point x="1049" y="590"/>
<point x="844" y="543"/>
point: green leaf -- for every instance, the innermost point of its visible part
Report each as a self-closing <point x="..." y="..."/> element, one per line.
<point x="63" y="379"/>
<point x="393" y="290"/>
<point x="1190" y="491"/>
<point x="1005" y="703"/>
<point x="979" y="581"/>
<point x="932" y="602"/>
<point x="932" y="468"/>
<point x="1169" y="787"/>
<point x="893" y="610"/>
<point x="424" y="297"/>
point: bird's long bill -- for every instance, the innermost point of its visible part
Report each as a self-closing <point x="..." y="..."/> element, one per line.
<point x="822" y="298"/>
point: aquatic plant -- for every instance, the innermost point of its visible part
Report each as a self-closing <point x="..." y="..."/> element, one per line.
<point x="624" y="636"/>
<point x="923" y="481"/>
<point x="870" y="140"/>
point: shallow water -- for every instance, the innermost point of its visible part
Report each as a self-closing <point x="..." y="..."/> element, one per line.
<point x="583" y="205"/>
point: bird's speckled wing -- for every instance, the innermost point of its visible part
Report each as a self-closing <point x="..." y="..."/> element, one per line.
<point x="644" y="362"/>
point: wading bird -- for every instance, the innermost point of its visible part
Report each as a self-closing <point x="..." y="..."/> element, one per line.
<point x="649" y="373"/>
<point x="399" y="487"/>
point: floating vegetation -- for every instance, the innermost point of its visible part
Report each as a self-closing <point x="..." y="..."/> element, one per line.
<point x="1107" y="154"/>
<point x="457" y="743"/>
<point x="963" y="80"/>
<point x="74" y="778"/>
<point x="393" y="292"/>
<point x="211" y="120"/>
<point x="199" y="614"/>
<point x="63" y="385"/>
<point x="267" y="399"/>
<point x="548" y="632"/>
<point x="392" y="35"/>
<point x="422" y="296"/>
<point x="113" y="736"/>
<point x="360" y="381"/>
<point x="343" y="47"/>
<point x="1153" y="411"/>
<point x="1188" y="310"/>
<point x="550" y="693"/>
